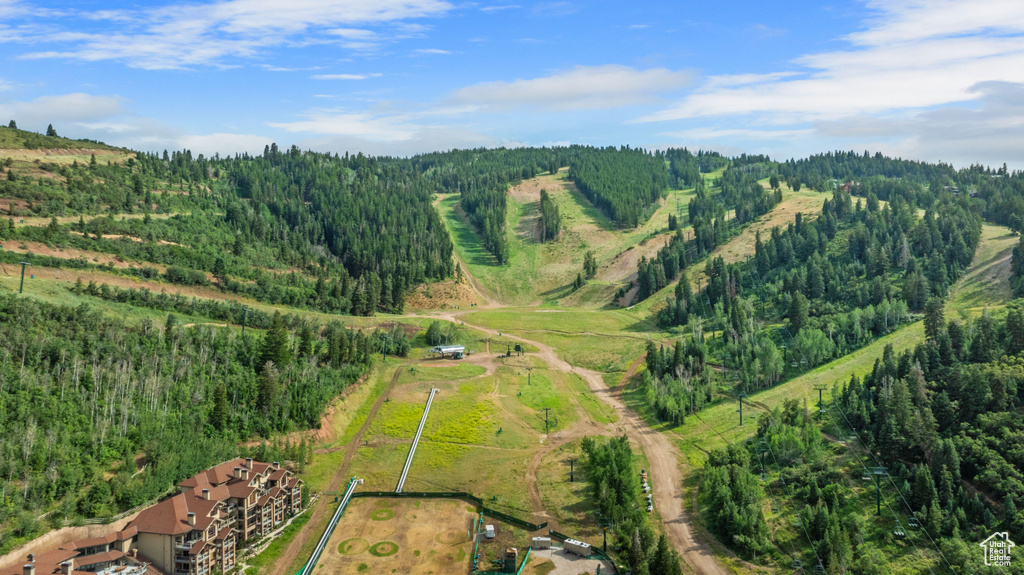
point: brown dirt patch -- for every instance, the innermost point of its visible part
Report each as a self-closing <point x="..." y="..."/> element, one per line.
<point x="18" y="205"/>
<point x="67" y="155"/>
<point x="39" y="221"/>
<point x="68" y="253"/>
<point x="623" y="266"/>
<point x="10" y="272"/>
<point x="435" y="541"/>
<point x="447" y="294"/>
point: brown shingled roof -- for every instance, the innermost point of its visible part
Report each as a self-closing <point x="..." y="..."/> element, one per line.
<point x="46" y="563"/>
<point x="97" y="558"/>
<point x="197" y="547"/>
<point x="169" y="517"/>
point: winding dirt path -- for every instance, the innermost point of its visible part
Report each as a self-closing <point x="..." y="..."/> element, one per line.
<point x="664" y="458"/>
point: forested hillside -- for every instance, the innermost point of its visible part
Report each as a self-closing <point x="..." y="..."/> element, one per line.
<point x="623" y="183"/>
<point x="854" y="273"/>
<point x="83" y="392"/>
<point x="737" y="191"/>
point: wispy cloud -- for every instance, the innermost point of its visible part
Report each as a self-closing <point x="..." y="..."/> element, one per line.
<point x="500" y="7"/>
<point x="913" y="55"/>
<point x="75" y="107"/>
<point x="345" y="76"/>
<point x="764" y="32"/>
<point x="212" y="33"/>
<point x="431" y="51"/>
<point x="583" y="87"/>
<point x="366" y="125"/>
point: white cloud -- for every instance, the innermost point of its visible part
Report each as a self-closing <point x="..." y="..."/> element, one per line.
<point x="429" y="51"/>
<point x="501" y="7"/>
<point x="66" y="108"/>
<point x="583" y="87"/>
<point x="345" y="76"/>
<point x="737" y="133"/>
<point x="424" y="139"/>
<point x="224" y="144"/>
<point x="209" y="33"/>
<point x="991" y="133"/>
<point x="364" y="125"/>
<point x="913" y="55"/>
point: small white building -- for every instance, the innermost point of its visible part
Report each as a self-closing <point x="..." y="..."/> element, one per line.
<point x="489" y="531"/>
<point x="541" y="543"/>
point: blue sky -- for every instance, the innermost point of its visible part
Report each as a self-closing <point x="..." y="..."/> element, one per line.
<point x="933" y="80"/>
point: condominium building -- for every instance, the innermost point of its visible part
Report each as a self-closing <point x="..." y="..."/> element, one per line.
<point x="200" y="527"/>
<point x="191" y="532"/>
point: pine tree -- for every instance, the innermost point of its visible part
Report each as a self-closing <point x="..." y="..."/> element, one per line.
<point x="269" y="389"/>
<point x="798" y="310"/>
<point x="933" y="319"/>
<point x="220" y="407"/>
<point x="12" y="125"/>
<point x="275" y="348"/>
<point x="50" y="131"/>
<point x="305" y="348"/>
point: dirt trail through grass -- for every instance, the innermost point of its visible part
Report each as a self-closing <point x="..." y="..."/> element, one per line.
<point x="662" y="454"/>
<point x="292" y="552"/>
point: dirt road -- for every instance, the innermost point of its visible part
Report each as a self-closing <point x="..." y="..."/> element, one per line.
<point x="665" y="477"/>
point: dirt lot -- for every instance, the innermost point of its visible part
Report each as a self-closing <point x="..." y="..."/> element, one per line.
<point x="408" y="536"/>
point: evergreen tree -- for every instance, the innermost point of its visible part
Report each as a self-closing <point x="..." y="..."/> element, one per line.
<point x="798" y="310"/>
<point x="219" y="416"/>
<point x="276" y="348"/>
<point x="933" y="319"/>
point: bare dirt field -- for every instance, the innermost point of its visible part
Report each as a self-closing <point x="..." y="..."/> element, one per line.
<point x="447" y="294"/>
<point x="408" y="536"/>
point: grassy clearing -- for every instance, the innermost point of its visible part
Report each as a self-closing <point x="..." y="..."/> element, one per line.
<point x="570" y="504"/>
<point x="806" y="201"/>
<point x="598" y="410"/>
<point x="987" y="281"/>
<point x="569" y="321"/>
<point x="446" y="373"/>
<point x="525" y="396"/>
<point x="600" y="353"/>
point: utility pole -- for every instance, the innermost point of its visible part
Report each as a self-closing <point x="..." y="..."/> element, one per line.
<point x="529" y="372"/>
<point x="821" y="403"/>
<point x="546" y="410"/>
<point x="878" y="472"/>
<point x="571" y="461"/>
<point x="245" y="312"/>
<point x="384" y="345"/>
<point x="21" y="289"/>
<point x="741" y="396"/>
